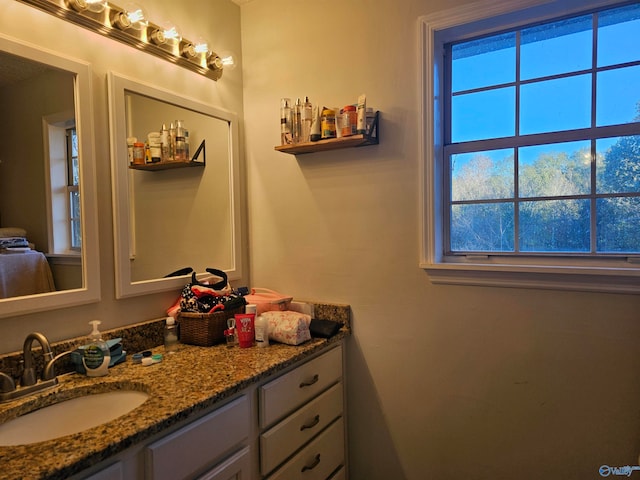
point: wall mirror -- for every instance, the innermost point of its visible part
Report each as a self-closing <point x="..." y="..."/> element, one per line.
<point x="166" y="220"/>
<point x="48" y="229"/>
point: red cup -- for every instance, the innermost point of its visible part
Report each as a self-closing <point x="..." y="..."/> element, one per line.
<point x="245" y="326"/>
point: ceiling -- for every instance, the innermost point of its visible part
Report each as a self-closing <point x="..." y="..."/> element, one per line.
<point x="17" y="69"/>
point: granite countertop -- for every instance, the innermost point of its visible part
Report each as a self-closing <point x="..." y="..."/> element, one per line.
<point x="185" y="383"/>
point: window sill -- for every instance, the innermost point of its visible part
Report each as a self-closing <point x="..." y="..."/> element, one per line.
<point x="64" y="258"/>
<point x="571" y="278"/>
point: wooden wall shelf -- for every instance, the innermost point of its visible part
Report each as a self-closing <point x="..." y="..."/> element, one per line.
<point x="166" y="165"/>
<point x="360" y="140"/>
<point x="154" y="167"/>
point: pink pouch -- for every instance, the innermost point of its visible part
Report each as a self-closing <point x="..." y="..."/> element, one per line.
<point x="267" y="300"/>
<point x="288" y="327"/>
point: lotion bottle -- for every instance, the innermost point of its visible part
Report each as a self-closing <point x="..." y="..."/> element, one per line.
<point x="262" y="331"/>
<point x="96" y="356"/>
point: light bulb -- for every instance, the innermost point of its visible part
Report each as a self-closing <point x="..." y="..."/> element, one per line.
<point x="228" y="59"/>
<point x="136" y="15"/>
<point x="201" y="46"/>
<point x="171" y="33"/>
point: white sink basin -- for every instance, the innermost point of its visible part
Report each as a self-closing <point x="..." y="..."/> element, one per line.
<point x="69" y="416"/>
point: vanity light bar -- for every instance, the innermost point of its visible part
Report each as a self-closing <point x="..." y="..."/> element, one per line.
<point x="115" y="22"/>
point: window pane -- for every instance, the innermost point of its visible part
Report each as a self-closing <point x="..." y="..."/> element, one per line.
<point x="618" y="96"/>
<point x="544" y="48"/>
<point x="76" y="230"/>
<point x="618" y="35"/>
<point x="482" y="115"/>
<point x="486" y="227"/>
<point x="483" y="62"/>
<point x="554" y="105"/>
<point x="618" y="222"/>
<point x="482" y="175"/>
<point x="555" y="226"/>
<point x="618" y="164"/>
<point x="554" y="170"/>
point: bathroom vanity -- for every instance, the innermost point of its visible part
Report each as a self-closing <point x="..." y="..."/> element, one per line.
<point x="212" y="413"/>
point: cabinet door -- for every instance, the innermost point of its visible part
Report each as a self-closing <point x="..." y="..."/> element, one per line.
<point x="319" y="459"/>
<point x="281" y="441"/>
<point x="235" y="468"/>
<point x="283" y="395"/>
<point x="112" y="472"/>
<point x="187" y="451"/>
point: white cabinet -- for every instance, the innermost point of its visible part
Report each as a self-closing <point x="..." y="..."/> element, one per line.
<point x="112" y="472"/>
<point x="308" y="442"/>
<point x="236" y="467"/>
<point x="290" y="427"/>
<point x="189" y="450"/>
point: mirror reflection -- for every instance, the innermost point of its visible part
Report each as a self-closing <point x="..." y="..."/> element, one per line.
<point x="169" y="219"/>
<point x="40" y="220"/>
<point x="180" y="216"/>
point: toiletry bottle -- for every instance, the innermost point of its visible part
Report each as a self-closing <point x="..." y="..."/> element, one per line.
<point x="306" y="117"/>
<point x="316" y="133"/>
<point x="164" y="140"/>
<point x="262" y="331"/>
<point x="172" y="142"/>
<point x="296" y="121"/>
<point x="181" y="152"/>
<point x="170" y="335"/>
<point x="96" y="355"/>
<point x="285" y="122"/>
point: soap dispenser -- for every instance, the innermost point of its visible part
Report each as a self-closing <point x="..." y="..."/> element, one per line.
<point x="96" y="355"/>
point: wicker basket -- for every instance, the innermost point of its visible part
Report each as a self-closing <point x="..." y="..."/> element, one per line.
<point x="204" y="329"/>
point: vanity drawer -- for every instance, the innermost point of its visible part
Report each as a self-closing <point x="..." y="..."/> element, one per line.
<point x="317" y="460"/>
<point x="190" y="449"/>
<point x="297" y="429"/>
<point x="288" y="392"/>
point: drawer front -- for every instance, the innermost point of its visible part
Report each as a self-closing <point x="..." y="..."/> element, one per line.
<point x="283" y="395"/>
<point x="339" y="475"/>
<point x="317" y="460"/>
<point x="236" y="467"/>
<point x="297" y="429"/>
<point x="190" y="449"/>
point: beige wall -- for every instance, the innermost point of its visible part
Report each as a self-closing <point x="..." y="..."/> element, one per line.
<point x="444" y="382"/>
<point x="219" y="20"/>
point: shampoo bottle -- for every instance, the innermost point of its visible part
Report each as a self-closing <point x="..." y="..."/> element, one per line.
<point x="262" y="331"/>
<point x="96" y="355"/>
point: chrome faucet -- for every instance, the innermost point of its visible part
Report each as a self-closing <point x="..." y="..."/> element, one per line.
<point x="28" y="382"/>
<point x="29" y="373"/>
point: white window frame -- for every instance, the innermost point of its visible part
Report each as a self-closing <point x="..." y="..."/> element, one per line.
<point x="616" y="275"/>
<point x="57" y="190"/>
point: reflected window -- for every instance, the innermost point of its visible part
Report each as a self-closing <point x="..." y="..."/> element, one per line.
<point x="65" y="229"/>
<point x="73" y="191"/>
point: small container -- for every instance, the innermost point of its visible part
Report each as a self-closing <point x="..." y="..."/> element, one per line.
<point x="328" y="123"/>
<point x="349" y="120"/>
<point x="154" y="139"/>
<point x="262" y="331"/>
<point x="156" y="358"/>
<point x="138" y="153"/>
<point x="246" y="329"/>
<point x="170" y="335"/>
<point x="137" y="358"/>
<point x="130" y="142"/>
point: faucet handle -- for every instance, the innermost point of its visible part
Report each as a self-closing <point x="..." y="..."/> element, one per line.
<point x="6" y="383"/>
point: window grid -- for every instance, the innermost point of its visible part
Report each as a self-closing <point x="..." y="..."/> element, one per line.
<point x="591" y="133"/>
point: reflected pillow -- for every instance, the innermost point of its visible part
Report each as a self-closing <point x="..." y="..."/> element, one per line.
<point x="6" y="232"/>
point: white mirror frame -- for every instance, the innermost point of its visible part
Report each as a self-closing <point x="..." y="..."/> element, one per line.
<point x="90" y="292"/>
<point x="117" y="86"/>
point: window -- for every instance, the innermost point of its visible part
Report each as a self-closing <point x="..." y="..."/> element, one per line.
<point x="73" y="176"/>
<point x="535" y="154"/>
<point x="65" y="230"/>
